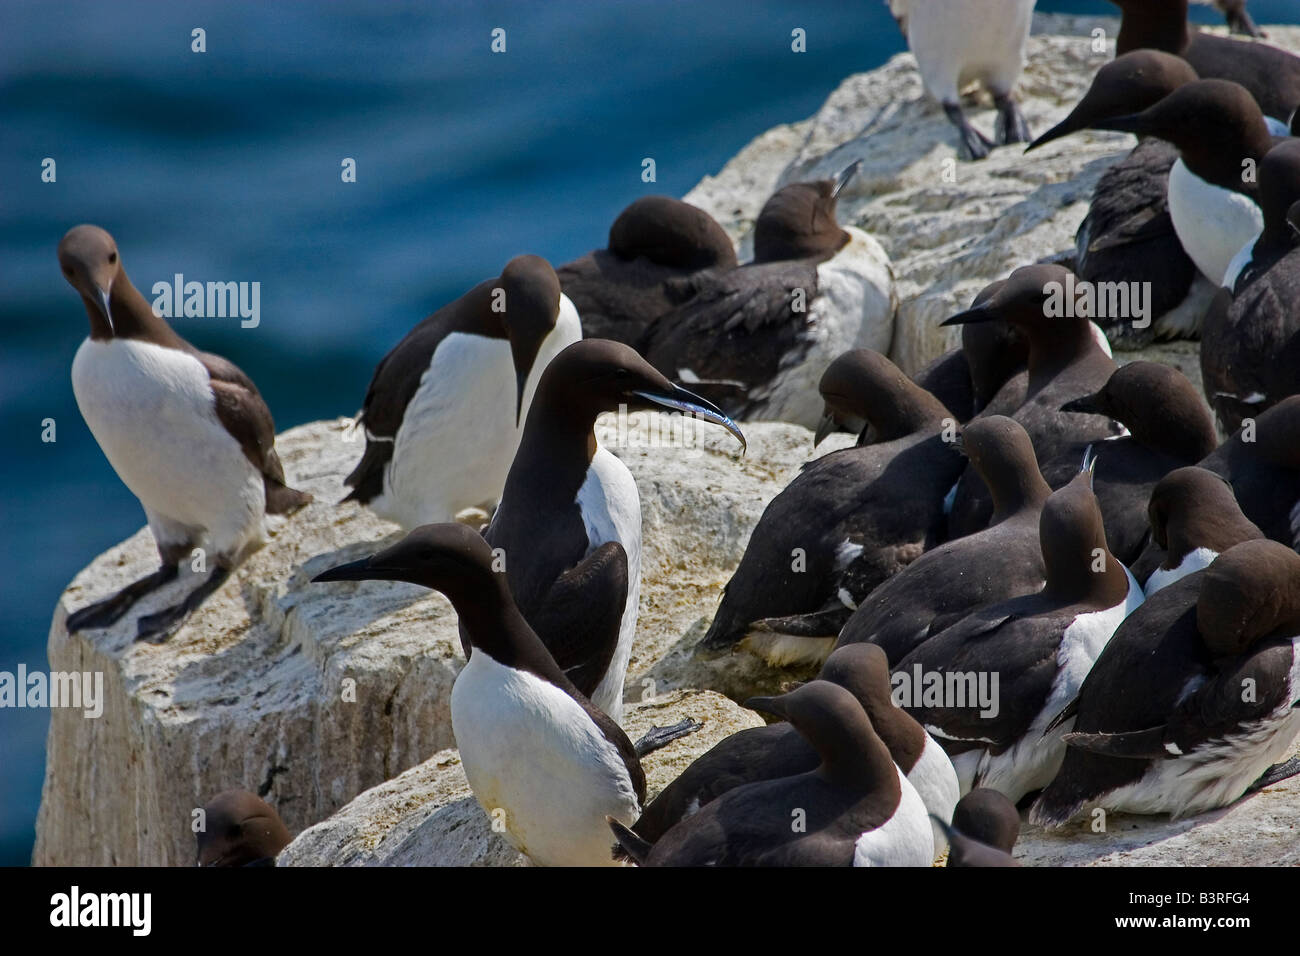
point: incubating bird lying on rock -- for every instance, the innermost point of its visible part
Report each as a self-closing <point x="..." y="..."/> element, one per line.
<point x="755" y="340"/>
<point x="856" y="806"/>
<point x="1195" y="699"/>
<point x="850" y="520"/>
<point x="1040" y="647"/>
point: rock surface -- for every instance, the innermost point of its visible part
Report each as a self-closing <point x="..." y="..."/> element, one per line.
<point x="333" y="702"/>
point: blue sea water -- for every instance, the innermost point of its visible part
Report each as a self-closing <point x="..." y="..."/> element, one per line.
<point x="225" y="165"/>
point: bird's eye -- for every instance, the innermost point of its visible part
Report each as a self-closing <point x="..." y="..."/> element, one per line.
<point x="67" y="272"/>
<point x="112" y="257"/>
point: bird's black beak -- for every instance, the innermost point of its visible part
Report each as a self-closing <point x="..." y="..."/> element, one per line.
<point x="979" y="313"/>
<point x="1087" y="405"/>
<point x="1133" y="123"/>
<point x="958" y="444"/>
<point x="768" y="705"/>
<point x="364" y="570"/>
<point x="827" y="425"/>
<point x="681" y="400"/>
<point x="1063" y="128"/>
<point x="845" y="176"/>
<point x="521" y="379"/>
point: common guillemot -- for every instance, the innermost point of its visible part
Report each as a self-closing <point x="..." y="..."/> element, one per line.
<point x="1168" y="427"/>
<point x="541" y="758"/>
<point x="567" y="500"/>
<point x="1221" y="138"/>
<point x="957" y="43"/>
<point x="1194" y="518"/>
<point x="848" y="521"/>
<point x="755" y="340"/>
<point x="621" y="289"/>
<point x="1041" y="646"/>
<point x="1194" y="700"/>
<point x="952" y="580"/>
<point x="856" y="806"/>
<point x="1128" y="235"/>
<point x="778" y="750"/>
<point x="1065" y="362"/>
<point x="1251" y="336"/>
<point x="239" y="829"/>
<point x="186" y="431"/>
<point x="445" y="408"/>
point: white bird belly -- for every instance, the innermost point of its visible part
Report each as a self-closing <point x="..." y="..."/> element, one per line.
<point x="538" y="766"/>
<point x="935" y="781"/>
<point x="152" y="411"/>
<point x="457" y="438"/>
<point x="611" y="511"/>
<point x="956" y="42"/>
<point x="1212" y="223"/>
<point x="905" y="839"/>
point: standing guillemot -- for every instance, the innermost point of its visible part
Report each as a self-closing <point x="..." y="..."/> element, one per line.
<point x="1262" y="463"/>
<point x="1065" y="362"/>
<point x="1194" y="518"/>
<point x="1041" y="646"/>
<point x="984" y="830"/>
<point x="1195" y="699"/>
<point x="950" y="581"/>
<point x="1217" y="127"/>
<point x="186" y="431"/>
<point x="567" y="500"/>
<point x="778" y="750"/>
<point x="619" y="290"/>
<point x="1272" y="75"/>
<point x="857" y="807"/>
<point x="1128" y="235"/>
<point x="1168" y="427"/>
<point x="848" y="521"/>
<point x="1250" y="346"/>
<point x="957" y="42"/>
<point x="240" y="829"/>
<point x="755" y="340"/>
<point x="441" y="421"/>
<point x="539" y="756"/>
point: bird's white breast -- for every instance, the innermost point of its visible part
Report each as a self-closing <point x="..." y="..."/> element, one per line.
<point x="1212" y="223"/>
<point x="853" y="309"/>
<point x="459" y="432"/>
<point x="1195" y="560"/>
<point x="935" y="781"/>
<point x="905" y="839"/>
<point x="152" y="411"/>
<point x="611" y="511"/>
<point x="538" y="765"/>
<point x="958" y="41"/>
